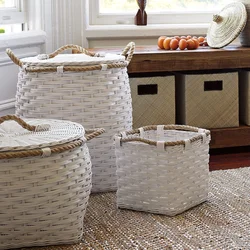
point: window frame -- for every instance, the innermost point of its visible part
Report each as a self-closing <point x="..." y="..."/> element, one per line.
<point x="14" y="15"/>
<point x="167" y="17"/>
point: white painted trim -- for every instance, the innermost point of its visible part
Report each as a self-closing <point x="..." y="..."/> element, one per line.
<point x="123" y="31"/>
<point x="7" y="104"/>
<point x="12" y="17"/>
<point x="22" y="39"/>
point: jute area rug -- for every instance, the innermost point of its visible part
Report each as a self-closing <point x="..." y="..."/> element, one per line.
<point x="220" y="223"/>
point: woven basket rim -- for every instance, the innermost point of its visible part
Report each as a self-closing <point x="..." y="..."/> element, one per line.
<point x="130" y="136"/>
<point x="43" y="64"/>
<point x="75" y="138"/>
<point x="227" y="25"/>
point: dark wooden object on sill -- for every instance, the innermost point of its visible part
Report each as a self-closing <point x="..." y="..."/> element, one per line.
<point x="141" y="16"/>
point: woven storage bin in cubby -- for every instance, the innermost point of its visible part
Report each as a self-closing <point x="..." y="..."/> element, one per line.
<point x="207" y="100"/>
<point x="45" y="181"/>
<point x="91" y="89"/>
<point x="244" y="96"/>
<point x="162" y="169"/>
<point x="153" y="100"/>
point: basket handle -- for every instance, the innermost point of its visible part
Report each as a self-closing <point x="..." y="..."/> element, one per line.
<point x="78" y="48"/>
<point x="14" y="58"/>
<point x="130" y="48"/>
<point x="24" y="124"/>
<point x="92" y="133"/>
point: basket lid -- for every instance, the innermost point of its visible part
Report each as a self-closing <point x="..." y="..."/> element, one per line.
<point x="25" y="134"/>
<point x="73" y="60"/>
<point x="227" y="25"/>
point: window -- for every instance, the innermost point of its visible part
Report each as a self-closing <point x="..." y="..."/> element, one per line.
<point x="159" y="11"/>
<point x="12" y="17"/>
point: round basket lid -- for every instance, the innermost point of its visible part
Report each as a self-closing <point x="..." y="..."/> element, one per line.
<point x="73" y="60"/>
<point x="227" y="25"/>
<point x="49" y="132"/>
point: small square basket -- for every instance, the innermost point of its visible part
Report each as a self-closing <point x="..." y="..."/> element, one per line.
<point x="45" y="181"/>
<point x="162" y="169"/>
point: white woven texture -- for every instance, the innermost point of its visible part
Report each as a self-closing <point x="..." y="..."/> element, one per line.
<point x="43" y="200"/>
<point x="244" y="89"/>
<point x="162" y="181"/>
<point x="52" y="132"/>
<point x="245" y="34"/>
<point x="211" y="109"/>
<point x="153" y="109"/>
<point x="93" y="98"/>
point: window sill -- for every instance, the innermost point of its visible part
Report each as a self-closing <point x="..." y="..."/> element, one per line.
<point x="22" y="39"/>
<point x="123" y="31"/>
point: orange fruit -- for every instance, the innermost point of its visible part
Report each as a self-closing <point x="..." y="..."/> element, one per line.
<point x="160" y="41"/>
<point x="174" y="44"/>
<point x="166" y="43"/>
<point x="177" y="37"/>
<point x="196" y="42"/>
<point x="182" y="44"/>
<point x="201" y="39"/>
<point x="190" y="44"/>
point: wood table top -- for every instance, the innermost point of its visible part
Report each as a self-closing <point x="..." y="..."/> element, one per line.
<point x="148" y="59"/>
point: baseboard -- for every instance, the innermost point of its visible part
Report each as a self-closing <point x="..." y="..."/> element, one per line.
<point x="7" y="104"/>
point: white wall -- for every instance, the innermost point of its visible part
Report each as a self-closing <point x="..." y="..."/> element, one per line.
<point x="23" y="45"/>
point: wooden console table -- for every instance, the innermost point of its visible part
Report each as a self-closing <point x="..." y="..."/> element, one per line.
<point x="148" y="60"/>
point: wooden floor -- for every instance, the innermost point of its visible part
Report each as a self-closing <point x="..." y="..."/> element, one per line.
<point x="228" y="158"/>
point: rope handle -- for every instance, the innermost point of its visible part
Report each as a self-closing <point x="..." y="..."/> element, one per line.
<point x="15" y="59"/>
<point x="19" y="121"/>
<point x="166" y="127"/>
<point x="130" y="49"/>
<point x="92" y="133"/>
<point x="78" y="48"/>
<point x="18" y="62"/>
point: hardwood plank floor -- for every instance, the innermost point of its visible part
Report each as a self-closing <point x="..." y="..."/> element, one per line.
<point x="228" y="158"/>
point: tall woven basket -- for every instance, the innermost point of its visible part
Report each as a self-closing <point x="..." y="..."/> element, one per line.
<point x="162" y="169"/>
<point x="45" y="181"/>
<point x="87" y="88"/>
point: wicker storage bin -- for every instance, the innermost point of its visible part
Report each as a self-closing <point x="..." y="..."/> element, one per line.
<point x="207" y="100"/>
<point x="87" y="88"/>
<point x="162" y="169"/>
<point x="153" y="100"/>
<point x="244" y="97"/>
<point x="45" y="181"/>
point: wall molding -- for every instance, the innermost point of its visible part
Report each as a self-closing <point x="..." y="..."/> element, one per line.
<point x="7" y="104"/>
<point x="22" y="39"/>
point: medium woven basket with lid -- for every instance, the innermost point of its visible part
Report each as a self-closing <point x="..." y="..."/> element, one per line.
<point x="162" y="169"/>
<point x="91" y="89"/>
<point x="45" y="181"/>
<point x="227" y="25"/>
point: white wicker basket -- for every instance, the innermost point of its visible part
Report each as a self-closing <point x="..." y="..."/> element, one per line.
<point x="87" y="88"/>
<point x="45" y="181"/>
<point x="162" y="169"/>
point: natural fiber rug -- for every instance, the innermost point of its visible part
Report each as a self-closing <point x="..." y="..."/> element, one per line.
<point x="221" y="223"/>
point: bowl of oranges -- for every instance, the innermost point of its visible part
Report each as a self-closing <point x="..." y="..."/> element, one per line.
<point x="181" y="42"/>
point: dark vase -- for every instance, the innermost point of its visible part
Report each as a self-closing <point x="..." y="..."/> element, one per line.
<point x="141" y="16"/>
